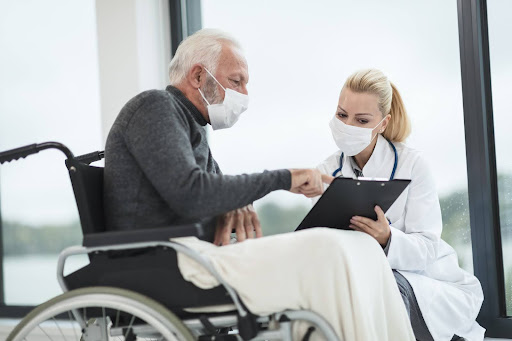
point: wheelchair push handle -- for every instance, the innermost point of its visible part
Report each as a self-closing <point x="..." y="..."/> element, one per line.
<point x="23" y="152"/>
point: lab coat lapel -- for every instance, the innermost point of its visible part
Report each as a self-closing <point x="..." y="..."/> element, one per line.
<point x="380" y="164"/>
<point x="347" y="170"/>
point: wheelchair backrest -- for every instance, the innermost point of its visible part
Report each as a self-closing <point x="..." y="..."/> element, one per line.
<point x="87" y="182"/>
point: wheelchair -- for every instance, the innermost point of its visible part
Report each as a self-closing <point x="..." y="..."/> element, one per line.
<point x="132" y="288"/>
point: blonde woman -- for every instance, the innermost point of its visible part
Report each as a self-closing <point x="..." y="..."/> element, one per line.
<point x="370" y="127"/>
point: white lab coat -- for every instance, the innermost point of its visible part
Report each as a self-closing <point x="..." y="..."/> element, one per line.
<point x="449" y="297"/>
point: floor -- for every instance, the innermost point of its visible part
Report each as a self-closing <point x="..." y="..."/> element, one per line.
<point x="6" y="325"/>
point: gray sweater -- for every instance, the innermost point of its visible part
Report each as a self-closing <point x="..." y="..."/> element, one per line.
<point x="159" y="170"/>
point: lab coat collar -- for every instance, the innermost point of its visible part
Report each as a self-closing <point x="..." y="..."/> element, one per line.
<point x="380" y="164"/>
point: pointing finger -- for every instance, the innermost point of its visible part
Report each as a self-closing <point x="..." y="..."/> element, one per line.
<point x="327" y="179"/>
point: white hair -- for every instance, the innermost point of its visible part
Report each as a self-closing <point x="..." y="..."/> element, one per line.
<point x="203" y="47"/>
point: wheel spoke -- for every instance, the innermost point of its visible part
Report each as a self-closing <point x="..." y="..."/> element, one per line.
<point x="45" y="333"/>
<point x="129" y="326"/>
<point x="105" y="321"/>
<point x="60" y="330"/>
<point x="72" y="320"/>
<point x="117" y="319"/>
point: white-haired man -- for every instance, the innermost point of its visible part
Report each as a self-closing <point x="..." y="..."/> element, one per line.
<point x="159" y="171"/>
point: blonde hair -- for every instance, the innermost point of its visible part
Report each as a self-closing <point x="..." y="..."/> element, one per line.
<point x="374" y="82"/>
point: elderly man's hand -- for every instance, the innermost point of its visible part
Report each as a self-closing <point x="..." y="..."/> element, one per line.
<point x="309" y="182"/>
<point x="243" y="220"/>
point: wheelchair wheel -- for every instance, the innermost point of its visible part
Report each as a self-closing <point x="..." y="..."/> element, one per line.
<point x="100" y="314"/>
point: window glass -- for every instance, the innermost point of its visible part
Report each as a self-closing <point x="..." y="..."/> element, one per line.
<point x="300" y="54"/>
<point x="500" y="49"/>
<point x="49" y="91"/>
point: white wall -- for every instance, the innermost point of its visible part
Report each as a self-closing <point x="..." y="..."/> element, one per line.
<point x="134" y="51"/>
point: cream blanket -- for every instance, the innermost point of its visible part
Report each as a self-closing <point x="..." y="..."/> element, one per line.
<point x="342" y="275"/>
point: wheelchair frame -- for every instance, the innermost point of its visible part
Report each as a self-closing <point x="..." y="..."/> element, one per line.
<point x="278" y="325"/>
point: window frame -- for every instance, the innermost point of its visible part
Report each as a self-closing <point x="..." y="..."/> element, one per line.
<point x="481" y="165"/>
<point x="185" y="20"/>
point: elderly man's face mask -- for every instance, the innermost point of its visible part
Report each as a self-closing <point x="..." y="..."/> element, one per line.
<point x="226" y="114"/>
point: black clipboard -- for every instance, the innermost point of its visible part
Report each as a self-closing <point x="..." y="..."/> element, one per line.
<point x="347" y="197"/>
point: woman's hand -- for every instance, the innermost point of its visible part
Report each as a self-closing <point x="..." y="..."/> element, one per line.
<point x="378" y="229"/>
<point x="244" y="221"/>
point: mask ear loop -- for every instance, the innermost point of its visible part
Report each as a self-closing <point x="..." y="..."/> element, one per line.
<point x="381" y="121"/>
<point x="202" y="95"/>
<point x="223" y="88"/>
<point x="380" y="131"/>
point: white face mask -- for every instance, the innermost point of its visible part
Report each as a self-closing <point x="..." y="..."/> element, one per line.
<point x="351" y="140"/>
<point x="226" y="114"/>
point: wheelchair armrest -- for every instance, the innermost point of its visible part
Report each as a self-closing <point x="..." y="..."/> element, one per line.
<point x="142" y="235"/>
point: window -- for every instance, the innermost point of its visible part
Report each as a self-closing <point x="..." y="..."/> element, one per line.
<point x="500" y="50"/>
<point x="300" y="54"/>
<point x="49" y="91"/>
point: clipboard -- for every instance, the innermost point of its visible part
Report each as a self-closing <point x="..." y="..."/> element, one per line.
<point x="347" y="197"/>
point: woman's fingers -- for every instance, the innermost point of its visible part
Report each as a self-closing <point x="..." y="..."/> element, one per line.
<point x="367" y="221"/>
<point x="358" y="226"/>
<point x="361" y="228"/>
<point x="378" y="229"/>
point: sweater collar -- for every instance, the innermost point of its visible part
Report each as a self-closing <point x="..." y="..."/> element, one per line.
<point x="196" y="114"/>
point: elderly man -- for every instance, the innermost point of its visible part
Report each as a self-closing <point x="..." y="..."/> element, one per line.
<point x="159" y="171"/>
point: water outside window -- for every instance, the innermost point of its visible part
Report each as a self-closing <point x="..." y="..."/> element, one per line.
<point x="49" y="91"/>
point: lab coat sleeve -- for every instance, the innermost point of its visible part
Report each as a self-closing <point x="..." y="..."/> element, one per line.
<point x="415" y="247"/>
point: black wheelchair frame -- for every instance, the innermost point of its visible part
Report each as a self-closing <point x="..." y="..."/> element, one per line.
<point x="125" y="259"/>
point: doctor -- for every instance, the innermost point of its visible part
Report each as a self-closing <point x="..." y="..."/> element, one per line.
<point x="369" y="127"/>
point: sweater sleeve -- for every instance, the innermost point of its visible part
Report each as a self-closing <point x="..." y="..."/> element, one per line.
<point x="417" y="246"/>
<point x="158" y="137"/>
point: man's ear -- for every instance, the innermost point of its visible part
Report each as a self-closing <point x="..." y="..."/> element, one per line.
<point x="195" y="76"/>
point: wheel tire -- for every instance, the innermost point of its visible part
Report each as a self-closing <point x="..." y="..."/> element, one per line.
<point x="160" y="318"/>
